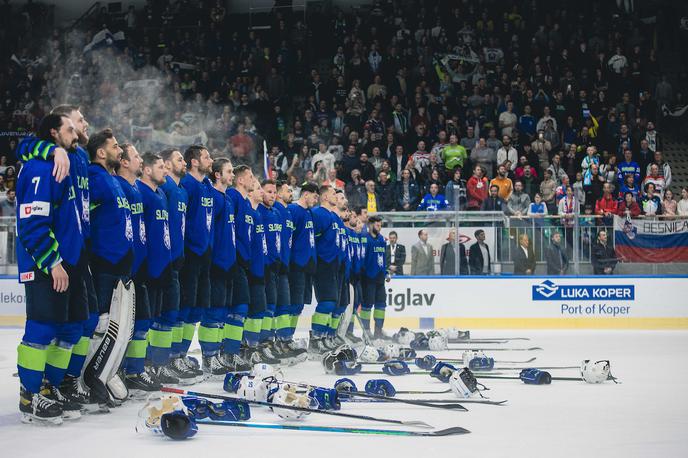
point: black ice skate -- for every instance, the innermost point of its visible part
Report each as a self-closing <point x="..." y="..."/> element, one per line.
<point x="38" y="409"/>
<point x="235" y="363"/>
<point x="70" y="410"/>
<point x="142" y="385"/>
<point x="72" y="388"/>
<point x="213" y="367"/>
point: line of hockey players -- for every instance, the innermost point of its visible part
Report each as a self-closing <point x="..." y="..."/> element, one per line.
<point x="211" y="252"/>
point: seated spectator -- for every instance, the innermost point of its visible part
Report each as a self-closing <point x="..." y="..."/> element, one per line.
<point x="603" y="256"/>
<point x="385" y="189"/>
<point x="524" y="256"/>
<point x="433" y="200"/>
<point x="503" y="182"/>
<point x="651" y="203"/>
<point x="607" y="206"/>
<point x="479" y="259"/>
<point x="407" y="192"/>
<point x="519" y="201"/>
<point x="448" y="256"/>
<point x="477" y="188"/>
<point x="669" y="205"/>
<point x="682" y="206"/>
<point x="628" y="206"/>
<point x="493" y="201"/>
<point x="555" y="256"/>
<point x="455" y="191"/>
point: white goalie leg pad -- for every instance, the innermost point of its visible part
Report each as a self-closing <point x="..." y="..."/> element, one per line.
<point x="109" y="354"/>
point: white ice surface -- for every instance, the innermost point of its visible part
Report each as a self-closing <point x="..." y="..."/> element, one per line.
<point x="645" y="416"/>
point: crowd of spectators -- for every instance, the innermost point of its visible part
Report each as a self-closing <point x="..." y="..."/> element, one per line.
<point x="527" y="107"/>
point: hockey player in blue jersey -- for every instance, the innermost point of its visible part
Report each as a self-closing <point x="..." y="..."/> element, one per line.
<point x="112" y="235"/>
<point x="129" y="170"/>
<point x="179" y="370"/>
<point x="244" y="182"/>
<point x="194" y="277"/>
<point x="340" y="213"/>
<point x="158" y="267"/>
<point x="328" y="248"/>
<point x="52" y="263"/>
<point x="433" y="201"/>
<point x="222" y="265"/>
<point x="353" y="226"/>
<point x="374" y="296"/>
<point x="303" y="257"/>
<point x="287" y="350"/>
<point x="273" y="238"/>
<point x="255" y="351"/>
<point x="76" y="161"/>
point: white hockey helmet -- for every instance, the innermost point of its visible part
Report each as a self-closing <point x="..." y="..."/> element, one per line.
<point x="463" y="383"/>
<point x="288" y="395"/>
<point x="369" y="354"/>
<point x="253" y="389"/>
<point x="437" y="342"/>
<point x="595" y="371"/>
<point x="391" y="351"/>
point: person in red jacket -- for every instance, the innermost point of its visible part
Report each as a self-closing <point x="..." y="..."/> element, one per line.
<point x="607" y="206"/>
<point x="477" y="188"/>
<point x="628" y="206"/>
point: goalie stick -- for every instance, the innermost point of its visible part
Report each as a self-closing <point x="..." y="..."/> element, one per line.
<point x="338" y="429"/>
<point x="419" y="424"/>
<point x="367" y="338"/>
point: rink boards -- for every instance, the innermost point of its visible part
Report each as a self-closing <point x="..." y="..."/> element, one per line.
<point x="584" y="302"/>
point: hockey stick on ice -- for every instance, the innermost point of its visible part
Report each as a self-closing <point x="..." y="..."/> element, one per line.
<point x="338" y="429"/>
<point x="419" y="424"/>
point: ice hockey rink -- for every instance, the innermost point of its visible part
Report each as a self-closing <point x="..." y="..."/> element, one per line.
<point x="644" y="415"/>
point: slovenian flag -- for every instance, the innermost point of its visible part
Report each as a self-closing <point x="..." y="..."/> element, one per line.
<point x="651" y="240"/>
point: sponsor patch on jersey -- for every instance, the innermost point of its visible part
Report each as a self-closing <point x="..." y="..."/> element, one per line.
<point x="37" y="208"/>
<point x="26" y="276"/>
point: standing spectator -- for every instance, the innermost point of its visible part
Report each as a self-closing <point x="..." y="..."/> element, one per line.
<point x="356" y="190"/>
<point x="591" y="159"/>
<point x="455" y="191"/>
<point x="395" y="254"/>
<point x="651" y="202"/>
<point x="558" y="172"/>
<point x="385" y="190"/>
<point x="628" y="167"/>
<point x="531" y="185"/>
<point x="607" y="206"/>
<point x="433" y="200"/>
<point x="408" y="192"/>
<point x="555" y="256"/>
<point x="477" y="188"/>
<point x="503" y="182"/>
<point x="448" y="256"/>
<point x="527" y="124"/>
<point x="655" y="179"/>
<point x="453" y="155"/>
<point x="568" y="208"/>
<point x="493" y="202"/>
<point x="422" y="260"/>
<point x="8" y="204"/>
<point x="548" y="191"/>
<point x="663" y="168"/>
<point x="524" y="257"/>
<point x="603" y="256"/>
<point x="507" y="153"/>
<point x="373" y="203"/>
<point x="507" y="121"/>
<point x="470" y="140"/>
<point x="367" y="169"/>
<point x="479" y="259"/>
<point x="682" y="206"/>
<point x="484" y="156"/>
<point x="519" y="201"/>
<point x="542" y="147"/>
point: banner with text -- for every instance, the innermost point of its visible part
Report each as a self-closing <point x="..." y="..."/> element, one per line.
<point x="640" y="240"/>
<point x="581" y="302"/>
